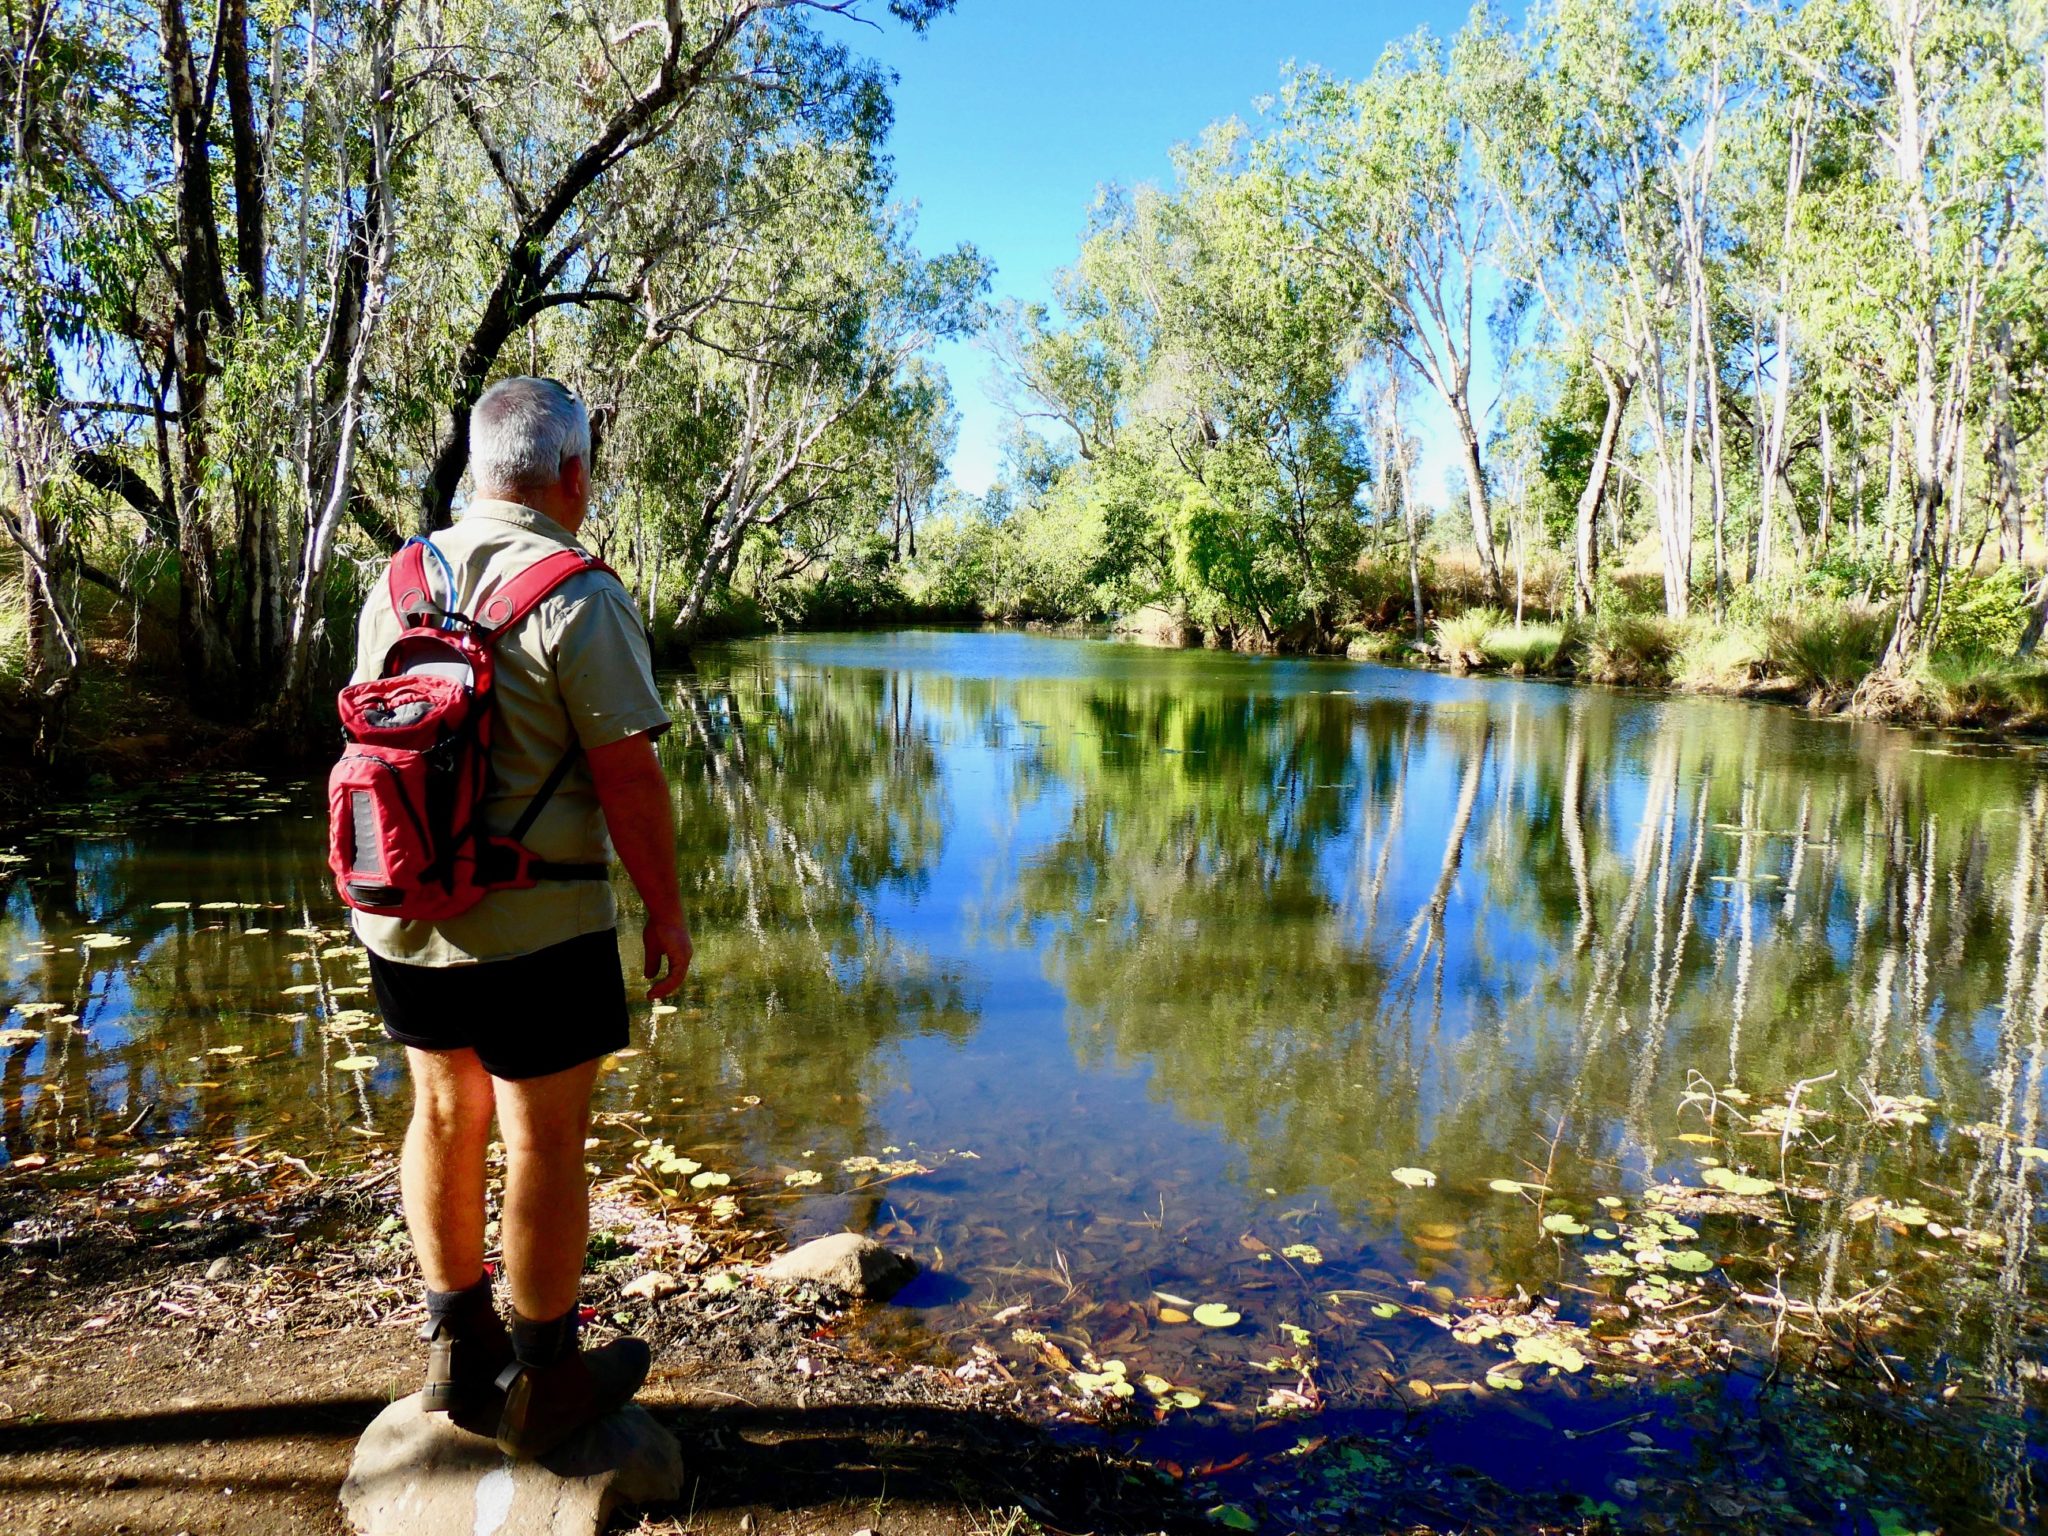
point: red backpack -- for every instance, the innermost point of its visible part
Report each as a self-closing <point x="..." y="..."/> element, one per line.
<point x="405" y="837"/>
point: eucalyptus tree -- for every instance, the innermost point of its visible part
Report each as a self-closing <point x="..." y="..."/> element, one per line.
<point x="1922" y="240"/>
<point x="1382" y="178"/>
<point x="286" y="248"/>
<point x="1236" y="358"/>
<point x="1549" y="149"/>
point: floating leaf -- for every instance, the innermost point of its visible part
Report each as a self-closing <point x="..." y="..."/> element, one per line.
<point x="171" y="906"/>
<point x="1385" y="1309"/>
<point x="1564" y="1224"/>
<point x="1297" y="1335"/>
<point x="104" y="940"/>
<point x="1232" y="1516"/>
<point x="304" y="989"/>
<point x="1172" y="1315"/>
<point x="1690" y="1260"/>
<point x="355" y="1063"/>
<point x="1414" y="1178"/>
<point x="1500" y="1381"/>
<point x="1308" y="1253"/>
<point x="708" y="1180"/>
<point x="1736" y="1183"/>
<point x="19" y="1036"/>
<point x="1542" y="1349"/>
<point x="803" y="1178"/>
<point x="1215" y="1315"/>
<point x="1505" y="1186"/>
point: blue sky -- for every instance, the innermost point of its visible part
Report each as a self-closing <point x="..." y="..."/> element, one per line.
<point x="1010" y="113"/>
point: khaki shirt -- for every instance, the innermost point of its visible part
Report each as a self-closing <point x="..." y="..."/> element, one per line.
<point x="573" y="673"/>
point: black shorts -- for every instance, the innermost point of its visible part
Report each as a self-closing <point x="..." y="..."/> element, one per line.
<point x="524" y="1017"/>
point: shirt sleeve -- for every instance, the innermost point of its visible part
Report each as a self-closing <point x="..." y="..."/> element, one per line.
<point x="373" y="635"/>
<point x="604" y="671"/>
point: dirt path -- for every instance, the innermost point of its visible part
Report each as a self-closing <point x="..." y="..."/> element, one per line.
<point x="210" y="1377"/>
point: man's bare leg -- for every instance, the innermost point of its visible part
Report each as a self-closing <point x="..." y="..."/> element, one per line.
<point x="545" y="1219"/>
<point x="558" y="1389"/>
<point x="442" y="1173"/>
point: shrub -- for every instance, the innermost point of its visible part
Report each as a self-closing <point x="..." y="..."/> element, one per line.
<point x="1976" y="690"/>
<point x="1375" y="645"/>
<point x="1530" y="648"/>
<point x="1461" y="639"/>
<point x="1379" y="595"/>
<point x="1716" y="659"/>
<point x="1635" y="649"/>
<point x="1827" y="647"/>
<point x="1983" y="616"/>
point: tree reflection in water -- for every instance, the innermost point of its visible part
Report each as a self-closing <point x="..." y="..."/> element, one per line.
<point x="1192" y="951"/>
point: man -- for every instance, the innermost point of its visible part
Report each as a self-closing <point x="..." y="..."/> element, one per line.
<point x="512" y="1005"/>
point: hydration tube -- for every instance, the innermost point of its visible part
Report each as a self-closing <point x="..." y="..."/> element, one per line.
<point x="447" y="573"/>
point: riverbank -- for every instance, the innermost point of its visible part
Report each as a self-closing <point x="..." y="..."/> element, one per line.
<point x="192" y="1337"/>
<point x="1824" y="662"/>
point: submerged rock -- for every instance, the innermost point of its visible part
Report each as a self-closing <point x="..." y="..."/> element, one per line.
<point x="846" y="1260"/>
<point x="415" y="1474"/>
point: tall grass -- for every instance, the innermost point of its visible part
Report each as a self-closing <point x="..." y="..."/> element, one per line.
<point x="1827" y="648"/>
<point x="1635" y="649"/>
<point x="1714" y="659"/>
<point x="1529" y="648"/>
<point x="1461" y="638"/>
<point x="1975" y="687"/>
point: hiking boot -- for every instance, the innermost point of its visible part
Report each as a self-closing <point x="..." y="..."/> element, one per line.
<point x="546" y="1405"/>
<point x="467" y="1350"/>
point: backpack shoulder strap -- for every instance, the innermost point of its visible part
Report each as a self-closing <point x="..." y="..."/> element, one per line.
<point x="519" y="596"/>
<point x="412" y="597"/>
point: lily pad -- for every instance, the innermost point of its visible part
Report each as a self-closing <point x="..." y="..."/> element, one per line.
<point x="1728" y="1180"/>
<point x="1564" y="1224"/>
<point x="1308" y="1253"/>
<point x="1690" y="1260"/>
<point x="1385" y="1309"/>
<point x="1541" y="1349"/>
<point x="1414" y="1178"/>
<point x="1213" y="1314"/>
<point x="355" y="1064"/>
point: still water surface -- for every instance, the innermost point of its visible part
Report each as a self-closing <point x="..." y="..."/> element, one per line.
<point x="1583" y="1103"/>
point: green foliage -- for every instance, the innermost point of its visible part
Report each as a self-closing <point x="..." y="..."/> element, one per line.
<point x="1827" y="647"/>
<point x="1983" y="616"/>
<point x="1461" y="639"/>
<point x="1525" y="648"/>
<point x="1972" y="688"/>
<point x="1379" y="595"/>
<point x="1714" y="658"/>
<point x="1627" y="646"/>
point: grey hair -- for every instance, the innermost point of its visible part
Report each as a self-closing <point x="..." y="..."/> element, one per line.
<point x="523" y="431"/>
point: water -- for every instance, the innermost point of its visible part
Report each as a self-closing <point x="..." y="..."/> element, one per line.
<point x="1115" y="982"/>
